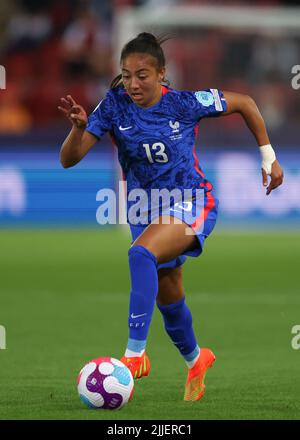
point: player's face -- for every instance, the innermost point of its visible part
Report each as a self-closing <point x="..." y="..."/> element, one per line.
<point x="142" y="79"/>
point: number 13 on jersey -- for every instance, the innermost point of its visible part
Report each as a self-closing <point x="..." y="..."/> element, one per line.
<point x="156" y="152"/>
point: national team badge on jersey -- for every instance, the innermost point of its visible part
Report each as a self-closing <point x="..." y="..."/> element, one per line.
<point x="175" y="136"/>
<point x="205" y="98"/>
<point x="174" y="125"/>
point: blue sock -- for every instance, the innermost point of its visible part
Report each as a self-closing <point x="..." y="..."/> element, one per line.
<point x="144" y="288"/>
<point x="178" y="324"/>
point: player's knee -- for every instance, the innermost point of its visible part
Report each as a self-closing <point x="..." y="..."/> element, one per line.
<point x="149" y="244"/>
<point x="140" y="254"/>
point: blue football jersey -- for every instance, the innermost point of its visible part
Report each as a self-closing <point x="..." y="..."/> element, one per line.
<point x="156" y="145"/>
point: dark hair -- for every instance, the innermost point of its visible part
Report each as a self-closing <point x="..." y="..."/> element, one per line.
<point x="144" y="43"/>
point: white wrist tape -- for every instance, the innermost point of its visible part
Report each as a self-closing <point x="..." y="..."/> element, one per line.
<point x="268" y="157"/>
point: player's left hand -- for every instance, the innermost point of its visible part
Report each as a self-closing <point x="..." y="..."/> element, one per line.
<point x="276" y="177"/>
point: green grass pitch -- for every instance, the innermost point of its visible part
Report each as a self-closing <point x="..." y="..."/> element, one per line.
<point x="64" y="300"/>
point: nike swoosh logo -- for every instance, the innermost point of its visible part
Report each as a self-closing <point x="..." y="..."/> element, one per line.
<point x="137" y="316"/>
<point x="124" y="128"/>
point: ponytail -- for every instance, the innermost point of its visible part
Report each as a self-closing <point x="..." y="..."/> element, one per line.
<point x="117" y="81"/>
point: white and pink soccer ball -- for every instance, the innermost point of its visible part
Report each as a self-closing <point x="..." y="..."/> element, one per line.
<point x="105" y="383"/>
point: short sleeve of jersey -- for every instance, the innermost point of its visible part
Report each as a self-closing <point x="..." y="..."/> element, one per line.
<point x="100" y="120"/>
<point x="204" y="103"/>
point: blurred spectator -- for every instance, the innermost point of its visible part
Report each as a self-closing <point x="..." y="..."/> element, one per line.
<point x="55" y="47"/>
<point x="29" y="27"/>
<point x="14" y="116"/>
<point x="6" y="11"/>
<point x="103" y="9"/>
<point x="86" y="46"/>
<point x="272" y="57"/>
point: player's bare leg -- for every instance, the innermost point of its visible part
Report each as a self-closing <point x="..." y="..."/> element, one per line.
<point x="167" y="240"/>
<point x="170" y="286"/>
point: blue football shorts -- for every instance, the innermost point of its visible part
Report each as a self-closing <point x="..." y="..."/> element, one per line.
<point x="200" y="217"/>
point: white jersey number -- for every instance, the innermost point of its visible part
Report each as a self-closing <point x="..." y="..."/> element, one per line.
<point x="156" y="156"/>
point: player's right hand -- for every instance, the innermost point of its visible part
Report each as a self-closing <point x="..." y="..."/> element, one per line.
<point x="74" y="112"/>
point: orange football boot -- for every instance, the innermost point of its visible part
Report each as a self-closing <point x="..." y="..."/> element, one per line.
<point x="139" y="366"/>
<point x="194" y="387"/>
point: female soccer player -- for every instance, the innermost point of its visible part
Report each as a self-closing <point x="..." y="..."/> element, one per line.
<point x="154" y="128"/>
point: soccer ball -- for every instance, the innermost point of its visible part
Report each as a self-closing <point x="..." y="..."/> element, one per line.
<point x="105" y="383"/>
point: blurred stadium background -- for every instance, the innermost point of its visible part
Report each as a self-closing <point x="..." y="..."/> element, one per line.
<point x="51" y="273"/>
<point x="53" y="48"/>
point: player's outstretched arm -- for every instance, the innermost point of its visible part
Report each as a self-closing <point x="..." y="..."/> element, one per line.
<point x="78" y="142"/>
<point x="246" y="106"/>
